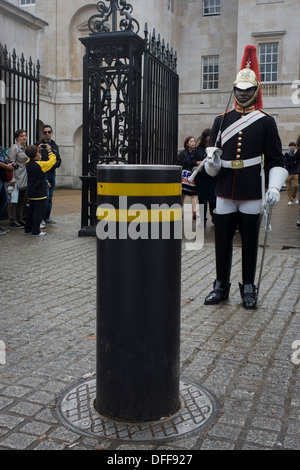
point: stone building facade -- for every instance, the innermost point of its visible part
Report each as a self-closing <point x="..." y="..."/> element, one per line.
<point x="208" y="35"/>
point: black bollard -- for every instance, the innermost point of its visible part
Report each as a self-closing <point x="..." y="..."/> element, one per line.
<point x="138" y="291"/>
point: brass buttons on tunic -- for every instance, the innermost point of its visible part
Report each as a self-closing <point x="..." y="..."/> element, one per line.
<point x="239" y="144"/>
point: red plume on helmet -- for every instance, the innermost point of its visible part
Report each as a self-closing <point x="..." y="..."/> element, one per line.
<point x="250" y="61"/>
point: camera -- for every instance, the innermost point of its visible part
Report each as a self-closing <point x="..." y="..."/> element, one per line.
<point x="43" y="146"/>
<point x="16" y="166"/>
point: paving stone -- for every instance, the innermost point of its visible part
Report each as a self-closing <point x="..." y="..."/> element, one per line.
<point x="243" y="358"/>
<point x="35" y="428"/>
<point x="18" y="441"/>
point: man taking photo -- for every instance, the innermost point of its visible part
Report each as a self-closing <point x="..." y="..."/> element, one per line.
<point x="50" y="175"/>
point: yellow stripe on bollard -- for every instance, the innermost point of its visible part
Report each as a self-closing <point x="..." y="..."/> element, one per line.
<point x="139" y="216"/>
<point x="138" y="189"/>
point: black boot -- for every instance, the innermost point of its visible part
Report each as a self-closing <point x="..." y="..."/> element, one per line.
<point x="225" y="226"/>
<point x="248" y="294"/>
<point x="249" y="226"/>
<point x="218" y="294"/>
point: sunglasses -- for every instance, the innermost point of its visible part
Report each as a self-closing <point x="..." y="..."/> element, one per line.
<point x="47" y="132"/>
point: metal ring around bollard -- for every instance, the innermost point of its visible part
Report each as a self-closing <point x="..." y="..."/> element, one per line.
<point x="139" y="235"/>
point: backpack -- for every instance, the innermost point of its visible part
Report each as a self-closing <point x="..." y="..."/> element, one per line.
<point x="5" y="153"/>
<point x="6" y="175"/>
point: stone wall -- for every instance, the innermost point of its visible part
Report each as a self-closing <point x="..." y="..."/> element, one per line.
<point x="20" y="30"/>
<point x="51" y="33"/>
<point x="199" y="36"/>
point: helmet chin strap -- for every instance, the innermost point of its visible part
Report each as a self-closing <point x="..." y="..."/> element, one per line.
<point x="246" y="105"/>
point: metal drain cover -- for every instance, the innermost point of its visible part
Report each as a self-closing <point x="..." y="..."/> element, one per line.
<point x="76" y="410"/>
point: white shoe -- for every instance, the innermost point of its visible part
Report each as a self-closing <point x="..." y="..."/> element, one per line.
<point x="50" y="221"/>
<point x="41" y="234"/>
<point x="296" y="200"/>
<point x="43" y="224"/>
<point x="289" y="203"/>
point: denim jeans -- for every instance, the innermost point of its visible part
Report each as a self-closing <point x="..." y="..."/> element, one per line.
<point x="298" y="198"/>
<point x="48" y="206"/>
<point x="3" y="196"/>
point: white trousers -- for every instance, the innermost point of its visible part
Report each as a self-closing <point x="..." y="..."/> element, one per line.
<point x="227" y="206"/>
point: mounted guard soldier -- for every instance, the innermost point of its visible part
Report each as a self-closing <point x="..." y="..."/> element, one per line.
<point x="251" y="153"/>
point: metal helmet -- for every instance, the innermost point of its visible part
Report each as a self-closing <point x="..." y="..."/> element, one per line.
<point x="248" y="77"/>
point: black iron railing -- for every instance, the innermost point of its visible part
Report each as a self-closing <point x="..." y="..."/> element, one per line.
<point x="19" y="98"/>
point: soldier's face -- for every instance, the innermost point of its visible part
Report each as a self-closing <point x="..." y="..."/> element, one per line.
<point x="243" y="96"/>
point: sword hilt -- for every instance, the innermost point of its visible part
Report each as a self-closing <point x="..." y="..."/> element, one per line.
<point x="195" y="172"/>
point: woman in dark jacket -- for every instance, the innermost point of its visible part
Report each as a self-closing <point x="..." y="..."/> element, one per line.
<point x="206" y="185"/>
<point x="186" y="158"/>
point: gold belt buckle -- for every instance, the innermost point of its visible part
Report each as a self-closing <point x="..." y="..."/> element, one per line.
<point x="237" y="164"/>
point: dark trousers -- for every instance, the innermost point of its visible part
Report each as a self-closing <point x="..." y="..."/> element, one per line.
<point x="225" y="227"/>
<point x="35" y="216"/>
<point x="206" y="189"/>
<point x="16" y="210"/>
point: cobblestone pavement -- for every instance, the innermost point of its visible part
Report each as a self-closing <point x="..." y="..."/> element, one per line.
<point x="248" y="360"/>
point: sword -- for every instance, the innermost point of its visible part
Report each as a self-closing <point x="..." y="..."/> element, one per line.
<point x="195" y="172"/>
<point x="198" y="169"/>
<point x="267" y="215"/>
<point x="223" y="117"/>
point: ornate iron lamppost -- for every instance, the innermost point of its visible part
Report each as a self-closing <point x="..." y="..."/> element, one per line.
<point x="130" y="105"/>
<point x="111" y="98"/>
<point x="98" y="22"/>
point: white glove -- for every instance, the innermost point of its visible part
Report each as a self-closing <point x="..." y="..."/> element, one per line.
<point x="272" y="196"/>
<point x="277" y="177"/>
<point x="213" y="161"/>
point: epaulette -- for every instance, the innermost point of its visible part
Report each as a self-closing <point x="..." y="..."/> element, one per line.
<point x="264" y="112"/>
<point x="227" y="112"/>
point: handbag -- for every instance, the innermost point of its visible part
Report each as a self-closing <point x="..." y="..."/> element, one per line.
<point x="6" y="175"/>
<point x="189" y="187"/>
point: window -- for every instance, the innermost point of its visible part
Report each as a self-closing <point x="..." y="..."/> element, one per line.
<point x="171" y="6"/>
<point x="27" y="2"/>
<point x="211" y="7"/>
<point x="262" y="2"/>
<point x="268" y="62"/>
<point x="210" y="73"/>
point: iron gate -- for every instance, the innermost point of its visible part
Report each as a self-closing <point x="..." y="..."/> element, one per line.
<point x="19" y="97"/>
<point x="130" y="100"/>
<point x="160" y="102"/>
